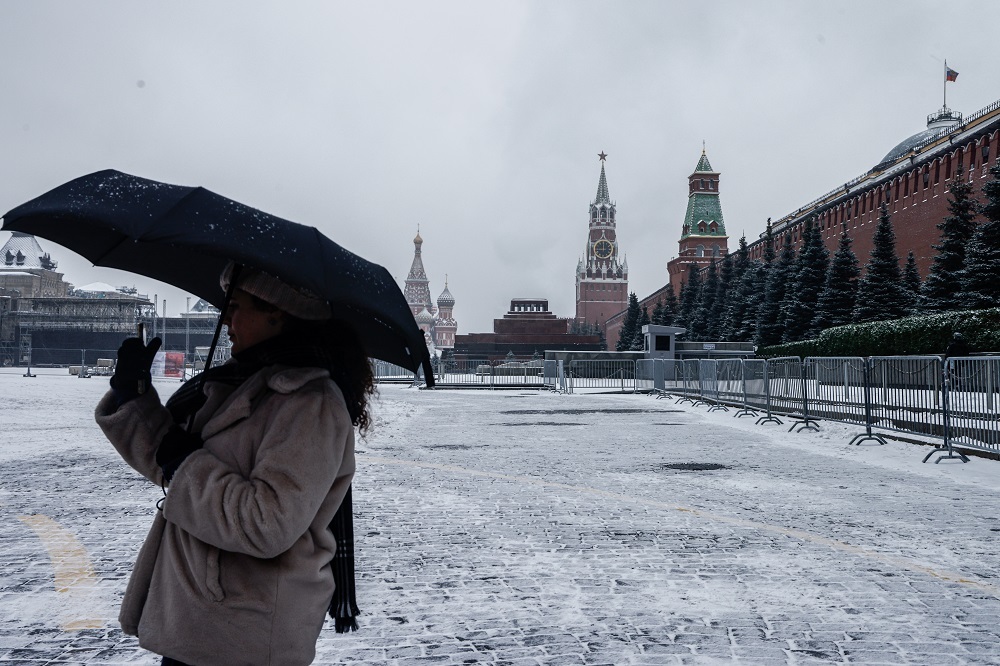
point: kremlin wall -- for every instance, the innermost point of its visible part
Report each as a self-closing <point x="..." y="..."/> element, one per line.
<point x="913" y="179"/>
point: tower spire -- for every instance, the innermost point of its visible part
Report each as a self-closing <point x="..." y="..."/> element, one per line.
<point x="602" y="186"/>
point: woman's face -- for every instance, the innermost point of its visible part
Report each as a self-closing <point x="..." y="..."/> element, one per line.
<point x="249" y="325"/>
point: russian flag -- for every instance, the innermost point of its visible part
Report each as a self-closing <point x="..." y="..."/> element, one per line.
<point x="950" y="74"/>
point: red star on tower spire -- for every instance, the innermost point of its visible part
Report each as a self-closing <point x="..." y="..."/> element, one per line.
<point x="602" y="155"/>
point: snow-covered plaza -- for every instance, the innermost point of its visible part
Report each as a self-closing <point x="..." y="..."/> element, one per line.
<point x="525" y="527"/>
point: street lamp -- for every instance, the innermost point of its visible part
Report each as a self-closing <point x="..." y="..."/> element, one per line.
<point x="187" y="334"/>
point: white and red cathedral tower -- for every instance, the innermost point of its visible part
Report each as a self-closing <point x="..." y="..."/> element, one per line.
<point x="602" y="273"/>
<point x="437" y="323"/>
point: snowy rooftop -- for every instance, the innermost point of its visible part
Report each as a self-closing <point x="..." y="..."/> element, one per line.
<point x="98" y="287"/>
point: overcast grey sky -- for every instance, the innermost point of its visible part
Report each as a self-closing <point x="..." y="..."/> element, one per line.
<point x="481" y="122"/>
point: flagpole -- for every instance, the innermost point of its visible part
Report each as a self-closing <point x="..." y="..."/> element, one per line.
<point x="944" y="85"/>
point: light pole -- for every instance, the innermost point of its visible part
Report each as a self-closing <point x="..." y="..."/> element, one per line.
<point x="187" y="334"/>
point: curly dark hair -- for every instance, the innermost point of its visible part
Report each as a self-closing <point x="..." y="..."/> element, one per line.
<point x="348" y="363"/>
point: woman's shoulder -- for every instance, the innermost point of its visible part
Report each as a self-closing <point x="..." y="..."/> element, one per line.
<point x="287" y="379"/>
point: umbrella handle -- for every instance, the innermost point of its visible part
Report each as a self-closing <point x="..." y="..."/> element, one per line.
<point x="237" y="268"/>
<point x="140" y="332"/>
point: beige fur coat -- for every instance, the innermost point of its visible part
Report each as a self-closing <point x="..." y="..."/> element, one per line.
<point x="236" y="568"/>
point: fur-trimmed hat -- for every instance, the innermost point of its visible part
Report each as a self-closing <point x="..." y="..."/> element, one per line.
<point x="296" y="301"/>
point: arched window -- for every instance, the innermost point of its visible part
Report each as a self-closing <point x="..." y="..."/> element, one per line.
<point x="715" y="250"/>
<point x="701" y="227"/>
<point x="700" y="251"/>
<point x="714" y="227"/>
<point x="604" y="214"/>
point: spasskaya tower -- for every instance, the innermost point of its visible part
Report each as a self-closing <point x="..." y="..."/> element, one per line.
<point x="602" y="274"/>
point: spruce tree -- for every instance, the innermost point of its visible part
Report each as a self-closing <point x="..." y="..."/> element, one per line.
<point x="724" y="295"/>
<point x="810" y="277"/>
<point x="638" y="340"/>
<point x="769" y="251"/>
<point x="705" y="307"/>
<point x="911" y="283"/>
<point x="751" y="296"/>
<point x="671" y="307"/>
<point x="627" y="332"/>
<point x="658" y="314"/>
<point x="880" y="291"/>
<point x="980" y="280"/>
<point x="769" y="321"/>
<point x="602" y="341"/>
<point x="836" y="302"/>
<point x="690" y="291"/>
<point x="734" y="304"/>
<point x="943" y="283"/>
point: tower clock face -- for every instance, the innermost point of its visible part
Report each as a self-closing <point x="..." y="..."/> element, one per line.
<point x="603" y="249"/>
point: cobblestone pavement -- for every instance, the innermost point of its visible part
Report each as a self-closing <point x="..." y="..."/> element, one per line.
<point x="517" y="528"/>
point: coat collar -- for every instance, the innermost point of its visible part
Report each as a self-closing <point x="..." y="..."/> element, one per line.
<point x="241" y="403"/>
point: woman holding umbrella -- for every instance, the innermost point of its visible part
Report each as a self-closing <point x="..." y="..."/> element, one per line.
<point x="257" y="457"/>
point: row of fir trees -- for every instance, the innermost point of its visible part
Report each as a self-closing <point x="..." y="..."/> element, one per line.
<point x="789" y="296"/>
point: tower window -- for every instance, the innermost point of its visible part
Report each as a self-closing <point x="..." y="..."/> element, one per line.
<point x="702" y="183"/>
<point x="701" y="227"/>
<point x="700" y="251"/>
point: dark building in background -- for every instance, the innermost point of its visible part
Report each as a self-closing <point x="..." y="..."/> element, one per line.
<point x="526" y="331"/>
<point x="45" y="321"/>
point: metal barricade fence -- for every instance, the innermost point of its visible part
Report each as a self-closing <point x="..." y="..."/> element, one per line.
<point x="550" y="375"/>
<point x="729" y="378"/>
<point x="754" y="386"/>
<point x="686" y="380"/>
<point x="907" y="394"/>
<point x="784" y="385"/>
<point x="465" y="373"/>
<point x="647" y="371"/>
<point x="673" y="377"/>
<point x="835" y="388"/>
<point x="709" y="383"/>
<point x="973" y="399"/>
<point x="605" y="374"/>
<point x="487" y="374"/>
<point x="692" y="378"/>
<point x="383" y="371"/>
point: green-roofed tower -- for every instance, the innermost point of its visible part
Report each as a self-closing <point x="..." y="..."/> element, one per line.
<point x="703" y="233"/>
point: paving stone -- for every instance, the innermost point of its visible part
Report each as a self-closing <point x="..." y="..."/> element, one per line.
<point x="538" y="548"/>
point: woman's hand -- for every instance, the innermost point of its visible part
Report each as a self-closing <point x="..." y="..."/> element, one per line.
<point x="132" y="377"/>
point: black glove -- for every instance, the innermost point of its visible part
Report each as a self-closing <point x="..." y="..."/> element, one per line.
<point x="175" y="446"/>
<point x="131" y="378"/>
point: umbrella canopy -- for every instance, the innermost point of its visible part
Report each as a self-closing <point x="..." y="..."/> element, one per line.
<point x="185" y="236"/>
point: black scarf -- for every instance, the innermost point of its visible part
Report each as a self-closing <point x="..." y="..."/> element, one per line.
<point x="299" y="351"/>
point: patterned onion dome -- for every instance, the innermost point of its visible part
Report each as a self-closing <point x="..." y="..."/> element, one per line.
<point x="424" y="317"/>
<point x="446" y="299"/>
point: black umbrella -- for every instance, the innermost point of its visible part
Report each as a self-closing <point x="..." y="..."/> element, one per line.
<point x="185" y="236"/>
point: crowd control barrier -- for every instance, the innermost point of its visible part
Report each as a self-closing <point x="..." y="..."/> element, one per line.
<point x="955" y="401"/>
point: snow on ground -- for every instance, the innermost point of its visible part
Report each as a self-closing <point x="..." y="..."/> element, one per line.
<point x="524" y="527"/>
